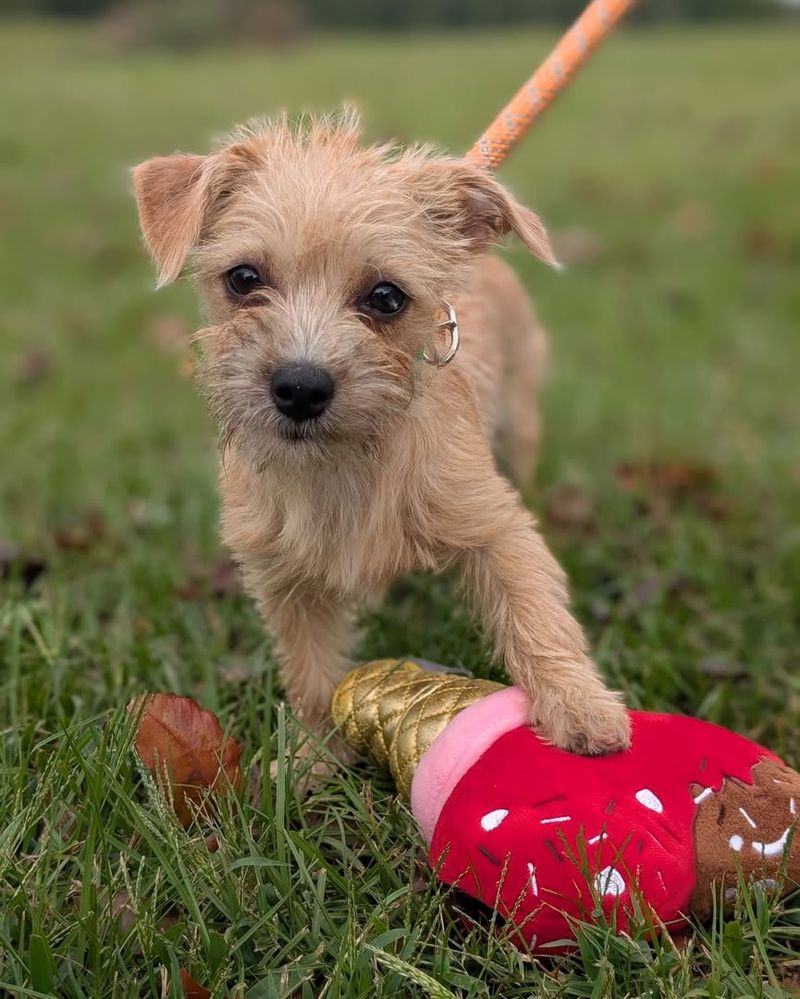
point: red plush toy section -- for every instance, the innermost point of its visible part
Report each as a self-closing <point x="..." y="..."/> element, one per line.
<point x="542" y="835"/>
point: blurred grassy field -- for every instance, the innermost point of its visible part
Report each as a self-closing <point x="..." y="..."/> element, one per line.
<point x="669" y="486"/>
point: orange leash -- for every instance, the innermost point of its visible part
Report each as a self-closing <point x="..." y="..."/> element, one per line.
<point x="548" y="81"/>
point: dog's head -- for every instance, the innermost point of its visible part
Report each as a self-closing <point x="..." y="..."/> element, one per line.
<point x="324" y="267"/>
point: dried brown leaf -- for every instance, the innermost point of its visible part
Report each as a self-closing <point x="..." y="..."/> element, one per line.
<point x="662" y="485"/>
<point x="83" y="533"/>
<point x="221" y="579"/>
<point x="674" y="478"/>
<point x="193" y="989"/>
<point x="34" y="366"/>
<point x="570" y="506"/>
<point x="692" y="220"/>
<point x="123" y="911"/>
<point x="185" y="743"/>
<point x="761" y="240"/>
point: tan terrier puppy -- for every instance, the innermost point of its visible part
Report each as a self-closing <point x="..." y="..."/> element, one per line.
<point x="349" y="452"/>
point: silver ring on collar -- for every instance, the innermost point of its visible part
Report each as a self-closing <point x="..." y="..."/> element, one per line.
<point x="450" y="324"/>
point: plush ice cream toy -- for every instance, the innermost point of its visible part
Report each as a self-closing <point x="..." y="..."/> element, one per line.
<point x="545" y="836"/>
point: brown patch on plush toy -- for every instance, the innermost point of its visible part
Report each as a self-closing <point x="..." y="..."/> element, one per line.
<point x="748" y="827"/>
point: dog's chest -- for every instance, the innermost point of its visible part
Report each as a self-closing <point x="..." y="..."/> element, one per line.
<point x="349" y="535"/>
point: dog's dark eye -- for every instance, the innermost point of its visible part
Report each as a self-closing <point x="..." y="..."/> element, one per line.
<point x="242" y="280"/>
<point x="386" y="299"/>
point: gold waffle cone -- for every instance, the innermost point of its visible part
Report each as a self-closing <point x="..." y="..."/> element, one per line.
<point x="391" y="710"/>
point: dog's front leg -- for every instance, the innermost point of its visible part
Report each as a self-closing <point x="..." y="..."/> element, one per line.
<point x="313" y="633"/>
<point x="521" y="593"/>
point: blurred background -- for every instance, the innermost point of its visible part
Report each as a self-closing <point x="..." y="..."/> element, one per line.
<point x="669" y="485"/>
<point x="668" y="175"/>
<point x="185" y="23"/>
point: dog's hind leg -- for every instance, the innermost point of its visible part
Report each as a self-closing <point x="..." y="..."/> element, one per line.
<point x="518" y="431"/>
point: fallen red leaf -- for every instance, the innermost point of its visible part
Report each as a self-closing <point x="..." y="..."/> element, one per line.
<point x="662" y="485"/>
<point x="191" y="988"/>
<point x="670" y="477"/>
<point x="568" y="505"/>
<point x="220" y="579"/>
<point x="761" y="240"/>
<point x="185" y="743"/>
<point x="692" y="220"/>
<point x="83" y="533"/>
<point x="34" y="366"/>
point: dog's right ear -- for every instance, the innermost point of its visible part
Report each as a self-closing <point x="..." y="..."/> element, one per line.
<point x="172" y="199"/>
<point x="469" y="205"/>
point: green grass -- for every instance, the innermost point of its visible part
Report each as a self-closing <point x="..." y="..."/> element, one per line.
<point x="676" y="344"/>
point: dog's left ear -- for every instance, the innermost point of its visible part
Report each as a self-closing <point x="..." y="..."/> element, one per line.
<point x="477" y="208"/>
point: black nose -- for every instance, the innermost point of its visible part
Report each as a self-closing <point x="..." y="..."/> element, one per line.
<point x="301" y="391"/>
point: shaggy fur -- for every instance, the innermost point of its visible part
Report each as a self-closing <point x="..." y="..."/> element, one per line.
<point x="398" y="473"/>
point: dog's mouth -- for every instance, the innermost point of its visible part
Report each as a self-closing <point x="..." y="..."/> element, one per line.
<point x="308" y="432"/>
<point x="295" y="435"/>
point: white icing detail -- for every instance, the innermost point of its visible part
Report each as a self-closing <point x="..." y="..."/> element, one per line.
<point x="736" y="842"/>
<point x="556" y="818"/>
<point x="532" y="879"/>
<point x="747" y="817"/>
<point x="609" y="882"/>
<point x="596" y="839"/>
<point x="792" y="806"/>
<point x="703" y="795"/>
<point x="491" y="820"/>
<point x="774" y="848"/>
<point x="649" y="800"/>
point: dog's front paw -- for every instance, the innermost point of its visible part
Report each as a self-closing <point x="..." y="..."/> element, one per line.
<point x="592" y="722"/>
